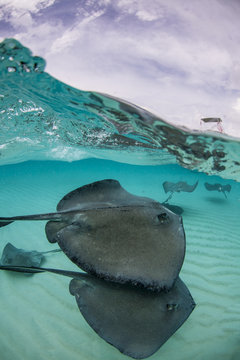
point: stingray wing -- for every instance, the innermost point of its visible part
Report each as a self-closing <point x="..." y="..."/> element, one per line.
<point x="135" y="321"/>
<point x="169" y="186"/>
<point x="52" y="228"/>
<point x="226" y="188"/>
<point x="100" y="194"/>
<point x="174" y="208"/>
<point x="212" y="187"/>
<point x="188" y="188"/>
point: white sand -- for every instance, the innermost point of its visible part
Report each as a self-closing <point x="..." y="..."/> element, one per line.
<point x="39" y="319"/>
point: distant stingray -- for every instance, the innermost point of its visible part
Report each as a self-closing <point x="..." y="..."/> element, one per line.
<point x="218" y="187"/>
<point x="115" y="235"/>
<point x="14" y="256"/>
<point x="135" y="321"/>
<point x="177" y="187"/>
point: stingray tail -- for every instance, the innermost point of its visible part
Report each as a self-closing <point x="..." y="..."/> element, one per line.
<point x="168" y="198"/>
<point x="34" y="269"/>
<point x="4" y="221"/>
<point x="22" y="269"/>
<point x="224" y="194"/>
<point x="52" y="251"/>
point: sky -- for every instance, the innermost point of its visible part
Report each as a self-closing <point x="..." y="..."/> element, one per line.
<point x="180" y="59"/>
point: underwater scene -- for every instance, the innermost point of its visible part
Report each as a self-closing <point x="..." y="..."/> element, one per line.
<point x="142" y="260"/>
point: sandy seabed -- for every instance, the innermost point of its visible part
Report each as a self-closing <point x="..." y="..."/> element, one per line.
<point x="39" y="319"/>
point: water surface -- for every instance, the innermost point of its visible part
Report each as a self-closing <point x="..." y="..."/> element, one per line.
<point x="55" y="138"/>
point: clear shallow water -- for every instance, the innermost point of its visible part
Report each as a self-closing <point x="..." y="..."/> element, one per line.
<point x="41" y="307"/>
<point x="43" y="119"/>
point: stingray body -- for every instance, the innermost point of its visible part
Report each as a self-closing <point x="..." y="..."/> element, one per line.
<point x="14" y="256"/>
<point x="178" y="187"/>
<point x="218" y="187"/>
<point x="135" y="321"/>
<point x="117" y="236"/>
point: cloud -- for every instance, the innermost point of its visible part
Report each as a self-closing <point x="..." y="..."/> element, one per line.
<point x="25" y="5"/>
<point x="144" y="10"/>
<point x="75" y="33"/>
<point x="178" y="59"/>
<point x="236" y="106"/>
<point x="91" y="7"/>
<point x="19" y="13"/>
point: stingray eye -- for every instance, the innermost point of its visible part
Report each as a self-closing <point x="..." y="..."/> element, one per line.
<point x="163" y="218"/>
<point x="172" y="307"/>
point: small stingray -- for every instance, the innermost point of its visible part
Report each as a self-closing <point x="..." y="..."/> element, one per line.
<point x="117" y="236"/>
<point x="218" y="187"/>
<point x="177" y="187"/>
<point x="135" y="321"/>
<point x="14" y="256"/>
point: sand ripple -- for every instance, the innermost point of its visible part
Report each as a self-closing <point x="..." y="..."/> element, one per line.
<point x="39" y="318"/>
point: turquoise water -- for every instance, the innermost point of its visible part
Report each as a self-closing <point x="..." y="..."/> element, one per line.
<point x="96" y="137"/>
<point x="41" y="305"/>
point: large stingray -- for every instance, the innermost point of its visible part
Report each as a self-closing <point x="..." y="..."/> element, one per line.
<point x="116" y="235"/>
<point x="135" y="321"/>
<point x="218" y="187"/>
<point x="14" y="256"/>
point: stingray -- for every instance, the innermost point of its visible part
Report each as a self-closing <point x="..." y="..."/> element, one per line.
<point x="115" y="235"/>
<point x="218" y="187"/>
<point x="14" y="256"/>
<point x="177" y="187"/>
<point x="135" y="321"/>
<point x="174" y="208"/>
